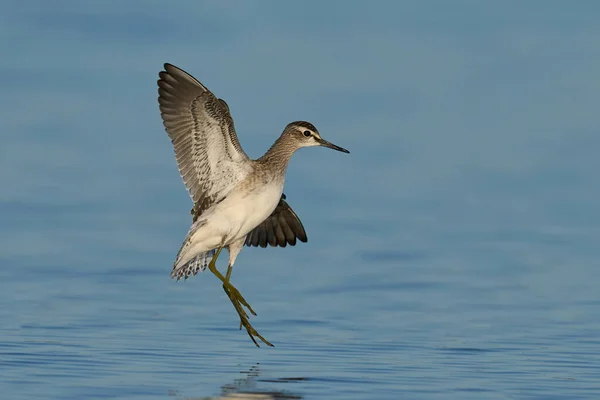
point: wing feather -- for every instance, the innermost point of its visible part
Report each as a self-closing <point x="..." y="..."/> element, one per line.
<point x="210" y="158"/>
<point x="281" y="228"/>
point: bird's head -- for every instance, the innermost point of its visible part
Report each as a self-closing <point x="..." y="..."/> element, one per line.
<point x="304" y="134"/>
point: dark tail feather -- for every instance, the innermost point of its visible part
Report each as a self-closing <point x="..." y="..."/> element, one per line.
<point x="197" y="264"/>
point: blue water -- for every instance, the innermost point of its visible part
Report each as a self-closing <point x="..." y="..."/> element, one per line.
<point x="454" y="314"/>
<point x="452" y="255"/>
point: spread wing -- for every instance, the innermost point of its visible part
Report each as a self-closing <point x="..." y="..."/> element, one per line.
<point x="281" y="228"/>
<point x="210" y="158"/>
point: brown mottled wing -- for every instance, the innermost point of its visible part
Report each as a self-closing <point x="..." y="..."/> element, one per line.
<point x="281" y="228"/>
<point x="209" y="156"/>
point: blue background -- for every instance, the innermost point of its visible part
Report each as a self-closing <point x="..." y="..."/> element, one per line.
<point x="453" y="254"/>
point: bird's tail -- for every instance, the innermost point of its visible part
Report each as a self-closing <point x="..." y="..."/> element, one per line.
<point x="187" y="264"/>
<point x="197" y="264"/>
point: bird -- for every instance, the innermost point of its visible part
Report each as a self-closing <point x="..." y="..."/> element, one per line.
<point x="237" y="200"/>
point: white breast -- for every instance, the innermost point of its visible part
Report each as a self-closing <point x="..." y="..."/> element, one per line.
<point x="245" y="211"/>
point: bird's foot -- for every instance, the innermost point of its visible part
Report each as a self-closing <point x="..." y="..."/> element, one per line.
<point x="239" y="302"/>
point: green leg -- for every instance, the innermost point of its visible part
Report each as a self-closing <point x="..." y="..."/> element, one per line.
<point x="229" y="269"/>
<point x="237" y="300"/>
<point x="213" y="268"/>
<point x="212" y="265"/>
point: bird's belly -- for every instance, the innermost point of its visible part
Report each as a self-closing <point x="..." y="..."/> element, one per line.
<point x="245" y="212"/>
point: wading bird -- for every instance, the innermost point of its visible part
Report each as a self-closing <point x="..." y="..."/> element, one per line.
<point x="237" y="200"/>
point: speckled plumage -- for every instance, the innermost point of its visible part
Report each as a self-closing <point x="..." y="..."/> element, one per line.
<point x="225" y="185"/>
<point x="237" y="201"/>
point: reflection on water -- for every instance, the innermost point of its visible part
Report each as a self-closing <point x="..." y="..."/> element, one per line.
<point x="247" y="387"/>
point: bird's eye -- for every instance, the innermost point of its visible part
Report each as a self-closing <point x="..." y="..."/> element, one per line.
<point x="306" y="133"/>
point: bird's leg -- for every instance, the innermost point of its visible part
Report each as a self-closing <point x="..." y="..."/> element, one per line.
<point x="236" y="299"/>
<point x="229" y="270"/>
<point x="232" y="290"/>
<point x="213" y="268"/>
<point x="229" y="293"/>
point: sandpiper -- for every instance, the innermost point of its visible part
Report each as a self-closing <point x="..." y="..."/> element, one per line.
<point x="237" y="200"/>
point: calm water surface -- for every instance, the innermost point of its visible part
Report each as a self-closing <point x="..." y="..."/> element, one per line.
<point x="454" y="314"/>
<point x="452" y="255"/>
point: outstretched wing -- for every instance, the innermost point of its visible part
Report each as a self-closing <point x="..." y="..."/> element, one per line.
<point x="281" y="228"/>
<point x="210" y="158"/>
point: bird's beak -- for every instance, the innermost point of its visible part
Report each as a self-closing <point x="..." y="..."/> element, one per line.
<point x="325" y="143"/>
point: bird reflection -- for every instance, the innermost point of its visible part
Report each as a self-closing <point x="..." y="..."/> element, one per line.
<point x="248" y="387"/>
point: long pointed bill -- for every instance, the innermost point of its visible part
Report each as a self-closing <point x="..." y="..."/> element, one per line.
<point x="325" y="143"/>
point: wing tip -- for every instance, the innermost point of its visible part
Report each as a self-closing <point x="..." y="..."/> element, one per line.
<point x="173" y="72"/>
<point x="169" y="68"/>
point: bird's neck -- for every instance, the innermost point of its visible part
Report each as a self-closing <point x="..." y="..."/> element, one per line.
<point x="279" y="154"/>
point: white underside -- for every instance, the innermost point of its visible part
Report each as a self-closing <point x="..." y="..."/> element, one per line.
<point x="232" y="219"/>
